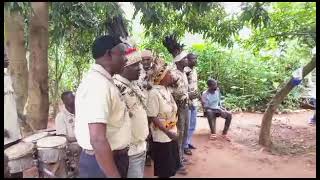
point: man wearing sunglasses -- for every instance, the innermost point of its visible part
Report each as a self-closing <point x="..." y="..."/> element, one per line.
<point x="102" y="124"/>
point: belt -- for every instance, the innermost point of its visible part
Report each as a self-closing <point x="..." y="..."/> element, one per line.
<point x="89" y="152"/>
<point x="121" y="151"/>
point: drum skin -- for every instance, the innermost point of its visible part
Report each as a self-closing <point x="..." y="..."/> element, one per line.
<point x="19" y="156"/>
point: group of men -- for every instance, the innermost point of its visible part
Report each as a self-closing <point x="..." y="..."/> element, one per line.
<point x="107" y="117"/>
<point x="111" y="123"/>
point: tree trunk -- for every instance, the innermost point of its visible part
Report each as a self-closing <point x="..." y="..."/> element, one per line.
<point x="18" y="67"/>
<point x="38" y="102"/>
<point x="264" y="137"/>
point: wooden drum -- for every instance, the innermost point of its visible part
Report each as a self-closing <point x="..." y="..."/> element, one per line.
<point x="52" y="154"/>
<point x="20" y="157"/>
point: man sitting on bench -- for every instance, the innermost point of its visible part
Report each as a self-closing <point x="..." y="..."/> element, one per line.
<point x="212" y="108"/>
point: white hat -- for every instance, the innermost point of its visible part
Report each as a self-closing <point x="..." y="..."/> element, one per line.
<point x="180" y="56"/>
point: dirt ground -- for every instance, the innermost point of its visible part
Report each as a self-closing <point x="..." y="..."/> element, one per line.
<point x="293" y="154"/>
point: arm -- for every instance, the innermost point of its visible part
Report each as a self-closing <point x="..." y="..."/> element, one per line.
<point x="157" y="123"/>
<point x="204" y="101"/>
<point x="102" y="149"/>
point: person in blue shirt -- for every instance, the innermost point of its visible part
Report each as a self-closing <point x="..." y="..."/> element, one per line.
<point x="211" y="103"/>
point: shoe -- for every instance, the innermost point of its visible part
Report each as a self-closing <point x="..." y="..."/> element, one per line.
<point x="187" y="152"/>
<point x="191" y="146"/>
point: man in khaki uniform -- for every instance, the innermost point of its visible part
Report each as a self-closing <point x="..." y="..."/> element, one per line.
<point x="181" y="96"/>
<point x="12" y="133"/>
<point x="135" y="101"/>
<point x="102" y="124"/>
<point x="193" y="87"/>
<point x="146" y="82"/>
<point x="65" y="126"/>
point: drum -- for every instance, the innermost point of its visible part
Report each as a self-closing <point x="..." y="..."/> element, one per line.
<point x="35" y="137"/>
<point x="19" y="156"/>
<point x="52" y="155"/>
<point x="73" y="155"/>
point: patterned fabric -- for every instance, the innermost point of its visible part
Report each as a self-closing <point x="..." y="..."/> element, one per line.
<point x="135" y="101"/>
<point x="180" y="91"/>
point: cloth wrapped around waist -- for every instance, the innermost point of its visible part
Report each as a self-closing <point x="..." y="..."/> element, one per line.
<point x="168" y="123"/>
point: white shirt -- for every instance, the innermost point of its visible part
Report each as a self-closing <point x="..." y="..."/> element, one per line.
<point x="11" y="123"/>
<point x="98" y="100"/>
<point x="65" y="123"/>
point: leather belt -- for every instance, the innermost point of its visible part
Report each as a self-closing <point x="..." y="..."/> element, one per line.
<point x="121" y="151"/>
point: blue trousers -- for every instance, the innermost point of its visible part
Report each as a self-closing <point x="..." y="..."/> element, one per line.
<point x="89" y="167"/>
<point x="192" y="124"/>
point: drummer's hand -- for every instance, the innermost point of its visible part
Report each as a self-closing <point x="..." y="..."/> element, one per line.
<point x="6" y="134"/>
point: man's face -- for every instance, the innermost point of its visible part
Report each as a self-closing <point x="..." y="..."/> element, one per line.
<point x="118" y="57"/>
<point x="183" y="62"/>
<point x="146" y="62"/>
<point x="192" y="60"/>
<point x="133" y="71"/>
<point x="212" y="86"/>
<point x="69" y="100"/>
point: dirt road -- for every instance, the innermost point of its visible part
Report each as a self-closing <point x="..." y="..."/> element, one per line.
<point x="294" y="155"/>
<point x="243" y="157"/>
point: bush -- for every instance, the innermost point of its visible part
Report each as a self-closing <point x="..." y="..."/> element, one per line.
<point x="248" y="82"/>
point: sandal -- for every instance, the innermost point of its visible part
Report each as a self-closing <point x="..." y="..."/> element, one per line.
<point x="187" y="152"/>
<point x="213" y="137"/>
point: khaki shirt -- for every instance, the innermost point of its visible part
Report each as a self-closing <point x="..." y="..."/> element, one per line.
<point x="65" y="123"/>
<point x="98" y="100"/>
<point x="193" y="82"/>
<point x="162" y="105"/>
<point x="11" y="123"/>
<point x="135" y="100"/>
<point x="180" y="92"/>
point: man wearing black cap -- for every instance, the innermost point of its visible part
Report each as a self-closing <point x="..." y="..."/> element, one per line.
<point x="102" y="124"/>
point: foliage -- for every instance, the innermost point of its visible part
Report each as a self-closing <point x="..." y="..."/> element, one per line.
<point x="207" y="18"/>
<point x="247" y="81"/>
<point x="287" y="21"/>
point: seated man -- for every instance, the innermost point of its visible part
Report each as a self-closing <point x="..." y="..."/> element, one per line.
<point x="212" y="107"/>
<point x="65" y="127"/>
<point x="65" y="119"/>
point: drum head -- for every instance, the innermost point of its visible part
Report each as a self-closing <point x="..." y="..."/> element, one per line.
<point x="35" y="137"/>
<point x="19" y="150"/>
<point x="51" y="141"/>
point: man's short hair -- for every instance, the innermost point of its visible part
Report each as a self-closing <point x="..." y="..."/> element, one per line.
<point x="104" y="43"/>
<point x="64" y="94"/>
<point x="191" y="55"/>
<point x="211" y="81"/>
